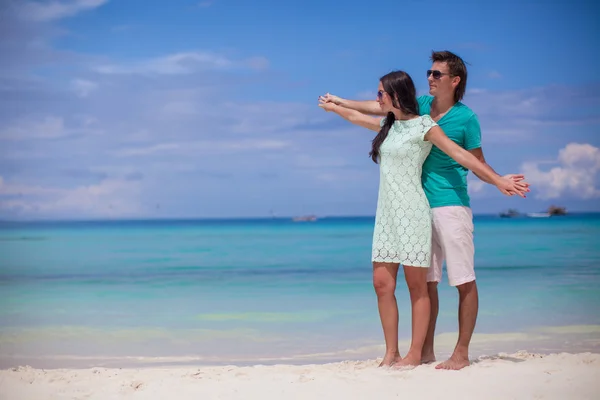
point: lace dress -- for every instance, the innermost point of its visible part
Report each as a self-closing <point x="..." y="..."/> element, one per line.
<point x="402" y="232"/>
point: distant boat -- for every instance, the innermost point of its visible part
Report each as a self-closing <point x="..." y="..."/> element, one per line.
<point x="538" y="215"/>
<point x="554" y="210"/>
<point x="305" y="218"/>
<point x="509" y="214"/>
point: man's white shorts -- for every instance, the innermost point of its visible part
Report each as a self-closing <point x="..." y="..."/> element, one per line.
<point x="452" y="241"/>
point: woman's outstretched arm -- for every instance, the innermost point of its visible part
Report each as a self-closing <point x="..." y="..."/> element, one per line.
<point x="357" y="118"/>
<point x="507" y="186"/>
<point x="370" y="107"/>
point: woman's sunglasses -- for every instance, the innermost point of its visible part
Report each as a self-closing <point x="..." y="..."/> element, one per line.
<point x="436" y="74"/>
<point x="379" y="94"/>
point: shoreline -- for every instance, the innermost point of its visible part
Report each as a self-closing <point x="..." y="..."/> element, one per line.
<point x="520" y="375"/>
<point x="106" y="349"/>
<point x="169" y="363"/>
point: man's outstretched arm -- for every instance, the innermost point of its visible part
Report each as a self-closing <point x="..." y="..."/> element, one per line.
<point x="370" y="107"/>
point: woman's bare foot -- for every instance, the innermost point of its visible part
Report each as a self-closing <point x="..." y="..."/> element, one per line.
<point x="390" y="359"/>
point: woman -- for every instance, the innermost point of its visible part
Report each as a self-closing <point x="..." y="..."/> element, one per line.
<point x="402" y="233"/>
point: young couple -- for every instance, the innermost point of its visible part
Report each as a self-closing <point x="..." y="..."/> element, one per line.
<point x="424" y="147"/>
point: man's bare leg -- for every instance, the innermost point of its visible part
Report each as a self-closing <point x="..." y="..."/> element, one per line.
<point x="428" y="346"/>
<point x="468" y="305"/>
<point x="384" y="282"/>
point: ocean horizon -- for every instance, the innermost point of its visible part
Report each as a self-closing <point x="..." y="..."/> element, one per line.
<point x="271" y="290"/>
<point x="522" y="214"/>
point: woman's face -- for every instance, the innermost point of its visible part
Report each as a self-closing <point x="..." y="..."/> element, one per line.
<point x="384" y="99"/>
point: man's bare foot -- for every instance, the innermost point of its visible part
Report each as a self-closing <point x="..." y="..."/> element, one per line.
<point x="407" y="362"/>
<point x="390" y="359"/>
<point x="454" y="363"/>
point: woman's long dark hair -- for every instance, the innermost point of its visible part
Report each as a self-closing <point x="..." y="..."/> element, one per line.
<point x="399" y="85"/>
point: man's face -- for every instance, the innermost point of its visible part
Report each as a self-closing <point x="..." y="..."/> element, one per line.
<point x="440" y="81"/>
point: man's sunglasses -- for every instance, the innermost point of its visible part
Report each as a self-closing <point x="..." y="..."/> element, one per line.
<point x="436" y="74"/>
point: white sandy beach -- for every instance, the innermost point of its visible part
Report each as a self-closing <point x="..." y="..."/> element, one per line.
<point x="506" y="376"/>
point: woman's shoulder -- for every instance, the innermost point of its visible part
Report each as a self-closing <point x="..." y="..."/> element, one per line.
<point x="419" y="121"/>
<point x="426" y="119"/>
<point x="427" y="122"/>
<point x="422" y="120"/>
<point x="424" y="124"/>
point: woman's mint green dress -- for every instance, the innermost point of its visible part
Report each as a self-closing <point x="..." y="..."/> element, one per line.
<point x="402" y="231"/>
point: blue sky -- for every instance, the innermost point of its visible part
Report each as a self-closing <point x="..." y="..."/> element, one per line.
<point x="119" y="109"/>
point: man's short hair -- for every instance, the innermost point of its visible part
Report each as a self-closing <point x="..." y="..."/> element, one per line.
<point x="456" y="67"/>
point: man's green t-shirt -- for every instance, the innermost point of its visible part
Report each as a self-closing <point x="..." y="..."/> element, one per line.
<point x="444" y="180"/>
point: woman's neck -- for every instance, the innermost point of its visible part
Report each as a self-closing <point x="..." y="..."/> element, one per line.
<point x="400" y="116"/>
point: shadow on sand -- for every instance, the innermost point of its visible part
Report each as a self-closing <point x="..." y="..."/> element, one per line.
<point x="498" y="357"/>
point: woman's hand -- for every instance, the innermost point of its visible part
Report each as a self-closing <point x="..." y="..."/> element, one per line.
<point x="509" y="186"/>
<point x="357" y="118"/>
<point x="329" y="98"/>
<point x="328" y="106"/>
<point x="522" y="186"/>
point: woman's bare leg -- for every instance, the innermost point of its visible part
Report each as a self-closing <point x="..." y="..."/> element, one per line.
<point x="384" y="282"/>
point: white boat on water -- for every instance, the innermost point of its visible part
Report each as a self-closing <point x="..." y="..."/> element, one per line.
<point x="305" y="218"/>
<point x="538" y="215"/>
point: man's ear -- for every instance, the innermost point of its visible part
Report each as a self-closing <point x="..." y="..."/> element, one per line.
<point x="456" y="80"/>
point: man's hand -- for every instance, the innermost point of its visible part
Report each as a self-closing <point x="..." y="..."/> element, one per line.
<point x="329" y="98"/>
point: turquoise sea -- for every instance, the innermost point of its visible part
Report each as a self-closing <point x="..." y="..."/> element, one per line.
<point x="274" y="291"/>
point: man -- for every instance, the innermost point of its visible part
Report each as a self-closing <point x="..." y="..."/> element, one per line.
<point x="445" y="184"/>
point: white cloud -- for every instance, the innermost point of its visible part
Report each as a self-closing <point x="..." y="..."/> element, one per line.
<point x="7" y="189"/>
<point x="257" y="63"/>
<point x="83" y="87"/>
<point x="272" y="117"/>
<point x="311" y="162"/>
<point x="189" y="123"/>
<point x="494" y="75"/>
<point x="203" y="146"/>
<point x="182" y="63"/>
<point x="575" y="175"/>
<point x="532" y="103"/>
<point x="253" y="144"/>
<point x="367" y="95"/>
<point x="53" y="10"/>
<point x="580" y="156"/>
<point x="105" y="198"/>
<point x="475" y="185"/>
<point x="49" y="127"/>
<point x="109" y="198"/>
<point x="518" y="115"/>
<point x="510" y="102"/>
<point x="148" y="150"/>
<point x="180" y="108"/>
